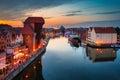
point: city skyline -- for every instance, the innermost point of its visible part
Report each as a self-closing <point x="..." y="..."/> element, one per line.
<point x="59" y="12"/>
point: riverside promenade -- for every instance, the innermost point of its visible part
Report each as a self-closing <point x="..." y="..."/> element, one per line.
<point x="15" y="71"/>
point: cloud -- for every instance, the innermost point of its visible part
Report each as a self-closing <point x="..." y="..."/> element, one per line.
<point x="16" y="8"/>
<point x="72" y="13"/>
<point x="8" y="15"/>
<point x="112" y="12"/>
<point x="48" y="17"/>
<point x="78" y="11"/>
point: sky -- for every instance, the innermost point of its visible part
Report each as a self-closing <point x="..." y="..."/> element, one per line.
<point x="59" y="12"/>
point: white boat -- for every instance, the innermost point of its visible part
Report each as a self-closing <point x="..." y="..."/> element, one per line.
<point x="83" y="44"/>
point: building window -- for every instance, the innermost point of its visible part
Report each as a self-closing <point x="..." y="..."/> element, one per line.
<point x="97" y="35"/>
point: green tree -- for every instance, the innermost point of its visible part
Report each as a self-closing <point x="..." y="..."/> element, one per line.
<point x="117" y="30"/>
<point x="62" y="28"/>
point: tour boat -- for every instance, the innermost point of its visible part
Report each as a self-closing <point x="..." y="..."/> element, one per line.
<point x="74" y="39"/>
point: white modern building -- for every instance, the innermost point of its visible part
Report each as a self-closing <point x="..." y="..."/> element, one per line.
<point x="102" y="35"/>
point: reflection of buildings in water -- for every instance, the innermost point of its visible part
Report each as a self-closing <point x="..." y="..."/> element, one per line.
<point x="101" y="54"/>
<point x="33" y="71"/>
<point x="74" y="46"/>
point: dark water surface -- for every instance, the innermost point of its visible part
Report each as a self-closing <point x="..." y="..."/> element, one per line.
<point x="63" y="61"/>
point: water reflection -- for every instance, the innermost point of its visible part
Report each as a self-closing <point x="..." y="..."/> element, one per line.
<point x="101" y="54"/>
<point x="65" y="62"/>
<point x="33" y="71"/>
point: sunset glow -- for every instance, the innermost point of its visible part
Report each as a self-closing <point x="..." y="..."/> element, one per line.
<point x="12" y="23"/>
<point x="59" y="12"/>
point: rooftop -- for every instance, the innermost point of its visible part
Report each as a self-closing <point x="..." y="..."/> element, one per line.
<point x="35" y="20"/>
<point x="104" y="30"/>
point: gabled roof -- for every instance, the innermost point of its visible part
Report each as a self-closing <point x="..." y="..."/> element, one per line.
<point x="27" y="30"/>
<point x="35" y="20"/>
<point x="104" y="30"/>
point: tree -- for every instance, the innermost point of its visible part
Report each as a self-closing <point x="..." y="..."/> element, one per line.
<point x="62" y="28"/>
<point x="117" y="30"/>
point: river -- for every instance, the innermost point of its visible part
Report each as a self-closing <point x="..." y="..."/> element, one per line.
<point x="64" y="61"/>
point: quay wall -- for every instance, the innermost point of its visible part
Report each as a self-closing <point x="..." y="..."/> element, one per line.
<point x="25" y="64"/>
<point x="22" y="67"/>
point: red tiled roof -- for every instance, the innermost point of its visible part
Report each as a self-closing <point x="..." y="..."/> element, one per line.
<point x="35" y="20"/>
<point x="104" y="30"/>
<point x="27" y="30"/>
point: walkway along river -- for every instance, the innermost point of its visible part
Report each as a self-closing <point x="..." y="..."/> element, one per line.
<point x="33" y="71"/>
<point x="64" y="61"/>
<point x="30" y="59"/>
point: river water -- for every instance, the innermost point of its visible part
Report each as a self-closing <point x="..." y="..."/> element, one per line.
<point x="64" y="61"/>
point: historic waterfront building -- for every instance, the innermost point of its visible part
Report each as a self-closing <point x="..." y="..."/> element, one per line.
<point x="102" y="35"/>
<point x="32" y="32"/>
<point x="2" y="43"/>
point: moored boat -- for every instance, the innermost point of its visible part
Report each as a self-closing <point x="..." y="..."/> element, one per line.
<point x="74" y="39"/>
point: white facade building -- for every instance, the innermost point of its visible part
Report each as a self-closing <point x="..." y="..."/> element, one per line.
<point x="19" y="38"/>
<point x="101" y="35"/>
<point x="89" y="34"/>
